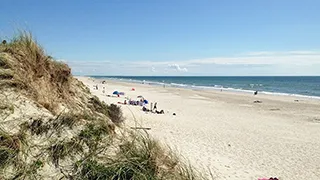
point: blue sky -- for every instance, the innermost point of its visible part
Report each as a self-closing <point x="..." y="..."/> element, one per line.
<point x="173" y="37"/>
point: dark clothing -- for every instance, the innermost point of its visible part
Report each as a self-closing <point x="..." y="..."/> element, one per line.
<point x="155" y="106"/>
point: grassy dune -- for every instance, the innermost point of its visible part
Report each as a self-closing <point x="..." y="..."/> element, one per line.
<point x="51" y="127"/>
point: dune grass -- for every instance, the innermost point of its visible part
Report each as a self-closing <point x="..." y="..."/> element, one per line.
<point x="77" y="143"/>
<point x="92" y="135"/>
<point x="63" y="149"/>
<point x="112" y="111"/>
<point x="115" y="114"/>
<point x="139" y="157"/>
<point x="44" y="79"/>
<point x="10" y="147"/>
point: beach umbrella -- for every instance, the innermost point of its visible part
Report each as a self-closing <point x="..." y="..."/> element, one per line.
<point x="115" y="92"/>
<point x="121" y="93"/>
<point x="145" y="101"/>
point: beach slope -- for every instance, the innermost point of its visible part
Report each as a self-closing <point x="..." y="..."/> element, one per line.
<point x="235" y="135"/>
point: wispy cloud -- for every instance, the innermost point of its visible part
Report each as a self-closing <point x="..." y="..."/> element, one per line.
<point x="284" y="62"/>
<point x="176" y="67"/>
<point x="153" y="69"/>
<point x="280" y="53"/>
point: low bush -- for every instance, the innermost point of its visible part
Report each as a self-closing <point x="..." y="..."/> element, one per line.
<point x="10" y="146"/>
<point x="61" y="150"/>
<point x="98" y="106"/>
<point x="92" y="135"/>
<point x="38" y="127"/>
<point x="66" y="119"/>
<point x="115" y="114"/>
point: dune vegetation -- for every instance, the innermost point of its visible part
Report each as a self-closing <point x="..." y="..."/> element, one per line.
<point x="52" y="127"/>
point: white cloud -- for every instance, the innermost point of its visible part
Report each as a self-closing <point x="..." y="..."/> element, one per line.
<point x="259" y="53"/>
<point x="271" y="63"/>
<point x="280" y="53"/>
<point x="264" y="58"/>
<point x="62" y="60"/>
<point x="176" y="67"/>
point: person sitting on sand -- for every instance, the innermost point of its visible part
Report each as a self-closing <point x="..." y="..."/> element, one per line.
<point x="145" y="109"/>
<point x="122" y="102"/>
<point x="160" y="112"/>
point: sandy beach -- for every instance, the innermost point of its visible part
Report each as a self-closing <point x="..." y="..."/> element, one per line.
<point x="227" y="132"/>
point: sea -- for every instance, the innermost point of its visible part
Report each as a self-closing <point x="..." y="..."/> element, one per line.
<point x="304" y="86"/>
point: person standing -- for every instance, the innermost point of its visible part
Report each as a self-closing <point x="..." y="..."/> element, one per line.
<point x="155" y="106"/>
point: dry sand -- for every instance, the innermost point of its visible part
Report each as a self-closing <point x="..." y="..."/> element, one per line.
<point x="226" y="132"/>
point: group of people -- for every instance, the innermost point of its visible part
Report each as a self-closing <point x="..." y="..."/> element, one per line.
<point x="143" y="104"/>
<point x="135" y="103"/>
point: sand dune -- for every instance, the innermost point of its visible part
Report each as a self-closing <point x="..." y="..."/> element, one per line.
<point x="227" y="132"/>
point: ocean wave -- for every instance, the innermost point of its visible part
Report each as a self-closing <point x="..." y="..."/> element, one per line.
<point x="289" y="94"/>
<point x="179" y="85"/>
<point x="214" y="87"/>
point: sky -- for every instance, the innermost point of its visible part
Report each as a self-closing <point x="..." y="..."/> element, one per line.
<point x="173" y="37"/>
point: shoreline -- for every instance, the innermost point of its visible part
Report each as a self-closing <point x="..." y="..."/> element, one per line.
<point x="212" y="88"/>
<point x="227" y="132"/>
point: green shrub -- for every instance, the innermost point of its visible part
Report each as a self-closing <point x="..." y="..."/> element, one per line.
<point x="61" y="150"/>
<point x="7" y="156"/>
<point x="115" y="114"/>
<point x="98" y="106"/>
<point x="9" y="148"/>
<point x="66" y="119"/>
<point x="92" y="134"/>
<point x="91" y="169"/>
<point x="38" y="127"/>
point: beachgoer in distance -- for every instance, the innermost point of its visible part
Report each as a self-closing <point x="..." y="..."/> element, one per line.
<point x="160" y="112"/>
<point x="155" y="106"/>
<point x="144" y="108"/>
<point x="255" y="93"/>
